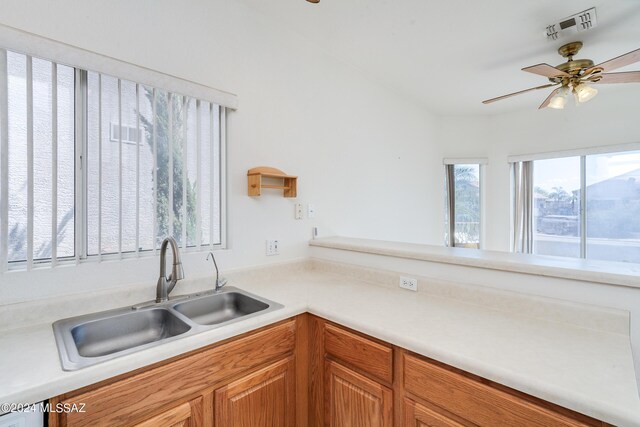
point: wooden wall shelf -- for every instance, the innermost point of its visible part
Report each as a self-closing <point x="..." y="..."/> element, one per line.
<point x="289" y="185"/>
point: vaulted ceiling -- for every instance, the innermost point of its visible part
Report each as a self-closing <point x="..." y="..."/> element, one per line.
<point x="451" y="55"/>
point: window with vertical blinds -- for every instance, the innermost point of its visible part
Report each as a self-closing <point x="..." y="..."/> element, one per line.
<point x="92" y="165"/>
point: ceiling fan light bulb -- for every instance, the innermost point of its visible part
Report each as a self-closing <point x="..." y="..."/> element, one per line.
<point x="559" y="100"/>
<point x="584" y="92"/>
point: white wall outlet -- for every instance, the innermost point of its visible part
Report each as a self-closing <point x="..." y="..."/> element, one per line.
<point x="311" y="211"/>
<point x="409" y="283"/>
<point x="272" y="248"/>
<point x="299" y="214"/>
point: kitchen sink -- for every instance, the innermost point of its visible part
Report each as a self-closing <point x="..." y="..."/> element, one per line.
<point x="94" y="338"/>
<point x="220" y="308"/>
<point x="113" y="334"/>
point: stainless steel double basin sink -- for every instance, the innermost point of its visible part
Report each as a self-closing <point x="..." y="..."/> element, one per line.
<point x="94" y="338"/>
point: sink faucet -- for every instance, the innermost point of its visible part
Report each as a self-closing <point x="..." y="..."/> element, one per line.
<point x="219" y="282"/>
<point x="166" y="284"/>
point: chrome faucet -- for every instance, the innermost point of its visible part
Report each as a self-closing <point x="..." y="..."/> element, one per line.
<point x="220" y="282"/>
<point x="166" y="284"/>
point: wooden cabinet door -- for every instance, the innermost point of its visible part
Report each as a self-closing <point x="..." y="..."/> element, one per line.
<point x="265" y="398"/>
<point x="416" y="415"/>
<point x="189" y="414"/>
<point x="354" y="400"/>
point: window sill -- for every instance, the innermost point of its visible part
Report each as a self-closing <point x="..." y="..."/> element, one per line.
<point x="612" y="273"/>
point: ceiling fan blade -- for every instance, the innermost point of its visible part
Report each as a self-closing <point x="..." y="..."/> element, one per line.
<point x="625" y="77"/>
<point x="545" y="70"/>
<point x="620" y="61"/>
<point x="489" y="101"/>
<point x="546" y="102"/>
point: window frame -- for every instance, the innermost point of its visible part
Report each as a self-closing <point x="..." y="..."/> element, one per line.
<point x="81" y="182"/>
<point x="482" y="163"/>
<point x="582" y="154"/>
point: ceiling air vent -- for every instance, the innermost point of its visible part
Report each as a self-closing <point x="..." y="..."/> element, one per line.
<point x="577" y="23"/>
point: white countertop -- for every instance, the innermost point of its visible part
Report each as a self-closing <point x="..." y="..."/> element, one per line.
<point x="586" y="370"/>
<point x="614" y="273"/>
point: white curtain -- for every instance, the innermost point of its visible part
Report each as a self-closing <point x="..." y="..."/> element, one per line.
<point x="522" y="207"/>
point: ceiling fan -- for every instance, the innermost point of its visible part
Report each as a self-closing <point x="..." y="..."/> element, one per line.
<point x="576" y="76"/>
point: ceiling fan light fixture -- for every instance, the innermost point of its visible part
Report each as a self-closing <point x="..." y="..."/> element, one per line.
<point x="559" y="100"/>
<point x="584" y="92"/>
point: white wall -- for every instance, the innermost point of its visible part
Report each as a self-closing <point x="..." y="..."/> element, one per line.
<point x="609" y="119"/>
<point x="365" y="156"/>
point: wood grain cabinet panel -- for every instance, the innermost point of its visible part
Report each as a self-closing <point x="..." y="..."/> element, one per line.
<point x="367" y="355"/>
<point x="127" y="400"/>
<point x="480" y="403"/>
<point x="265" y="398"/>
<point x="354" y="400"/>
<point x="417" y="415"/>
<point x="186" y="415"/>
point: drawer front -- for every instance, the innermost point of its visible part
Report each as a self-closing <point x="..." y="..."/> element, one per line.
<point x="135" y="397"/>
<point x="364" y="354"/>
<point x="475" y="401"/>
<point x="417" y="415"/>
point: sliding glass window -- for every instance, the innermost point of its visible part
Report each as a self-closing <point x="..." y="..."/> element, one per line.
<point x="613" y="207"/>
<point x="556" y="207"/>
<point x="588" y="206"/>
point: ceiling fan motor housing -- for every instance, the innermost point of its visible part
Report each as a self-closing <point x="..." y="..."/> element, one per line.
<point x="573" y="67"/>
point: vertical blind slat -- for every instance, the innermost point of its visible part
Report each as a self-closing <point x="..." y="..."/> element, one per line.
<point x="80" y="193"/>
<point x="138" y="141"/>
<point x="185" y="166"/>
<point x="4" y="161"/>
<point x="54" y="164"/>
<point x="222" y="173"/>
<point x="29" y="162"/>
<point x="170" y="149"/>
<point x="198" y="177"/>
<point x="154" y="119"/>
<point x="100" y="166"/>
<point x="120" y="167"/>
<point x="211" y="189"/>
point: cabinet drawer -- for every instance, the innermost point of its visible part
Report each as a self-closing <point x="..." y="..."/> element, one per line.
<point x="417" y="415"/>
<point x="476" y="401"/>
<point x="364" y="354"/>
<point x="136" y="397"/>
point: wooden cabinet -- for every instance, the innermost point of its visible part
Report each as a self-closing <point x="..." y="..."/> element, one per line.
<point x="265" y="398"/>
<point x="371" y="357"/>
<point x="479" y="401"/>
<point x="416" y="415"/>
<point x="306" y="371"/>
<point x="354" y="400"/>
<point x="181" y="391"/>
<point x="189" y="414"/>
<point x="356" y="380"/>
<point x="350" y="378"/>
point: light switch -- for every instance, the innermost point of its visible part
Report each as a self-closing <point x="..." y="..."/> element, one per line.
<point x="272" y="248"/>
<point x="311" y="210"/>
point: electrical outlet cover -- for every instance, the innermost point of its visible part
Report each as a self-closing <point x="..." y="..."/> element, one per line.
<point x="409" y="283"/>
